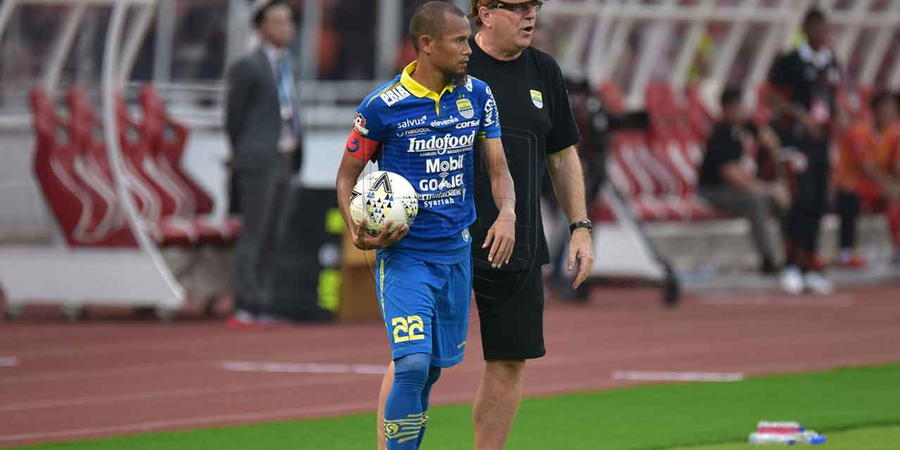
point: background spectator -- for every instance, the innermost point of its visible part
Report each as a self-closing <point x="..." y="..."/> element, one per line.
<point x="727" y="181"/>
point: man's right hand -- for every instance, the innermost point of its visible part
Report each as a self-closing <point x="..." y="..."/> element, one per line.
<point x="813" y="128"/>
<point x="780" y="195"/>
<point x="365" y="241"/>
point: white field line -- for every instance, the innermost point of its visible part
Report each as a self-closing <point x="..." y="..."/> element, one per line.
<point x="677" y="376"/>
<point x="282" y="367"/>
<point x="60" y="375"/>
<point x="807" y="301"/>
<point x="9" y="361"/>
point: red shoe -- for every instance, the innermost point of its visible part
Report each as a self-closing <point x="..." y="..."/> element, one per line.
<point x="816" y="264"/>
<point x="853" y="262"/>
<point x="242" y="321"/>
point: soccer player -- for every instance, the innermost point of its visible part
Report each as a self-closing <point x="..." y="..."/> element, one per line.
<point x="868" y="172"/>
<point x="424" y="125"/>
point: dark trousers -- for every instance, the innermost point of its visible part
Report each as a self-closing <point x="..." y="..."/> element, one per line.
<point x="754" y="207"/>
<point x="809" y="205"/>
<point x="261" y="203"/>
<point x="848" y="208"/>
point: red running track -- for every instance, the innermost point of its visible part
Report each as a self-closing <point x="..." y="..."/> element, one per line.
<point x="114" y="375"/>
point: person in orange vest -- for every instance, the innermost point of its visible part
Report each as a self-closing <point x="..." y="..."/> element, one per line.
<point x="867" y="175"/>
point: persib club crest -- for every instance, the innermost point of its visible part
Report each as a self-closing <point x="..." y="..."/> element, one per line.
<point x="465" y="108"/>
<point x="537" y="98"/>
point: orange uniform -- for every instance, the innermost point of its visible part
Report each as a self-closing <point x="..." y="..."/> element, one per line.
<point x="861" y="144"/>
<point x="888" y="156"/>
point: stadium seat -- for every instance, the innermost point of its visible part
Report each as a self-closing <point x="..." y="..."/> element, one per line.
<point x="628" y="169"/>
<point x="153" y="203"/>
<point x="700" y="118"/>
<point x="611" y="96"/>
<point x="167" y="143"/>
<point x="84" y="217"/>
<point x="667" y="113"/>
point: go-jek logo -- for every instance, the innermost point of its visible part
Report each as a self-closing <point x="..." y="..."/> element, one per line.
<point x="441" y="144"/>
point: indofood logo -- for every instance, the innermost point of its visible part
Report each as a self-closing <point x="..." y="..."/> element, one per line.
<point x="441" y="144"/>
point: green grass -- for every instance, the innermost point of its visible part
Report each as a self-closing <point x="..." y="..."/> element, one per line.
<point x="646" y="417"/>
<point x="882" y="438"/>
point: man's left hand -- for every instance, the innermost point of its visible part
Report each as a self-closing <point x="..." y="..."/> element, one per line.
<point x="581" y="252"/>
<point x="501" y="238"/>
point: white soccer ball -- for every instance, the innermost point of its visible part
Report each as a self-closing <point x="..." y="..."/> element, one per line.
<point x="383" y="197"/>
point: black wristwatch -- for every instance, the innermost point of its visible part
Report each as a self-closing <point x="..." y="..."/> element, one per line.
<point x="581" y="224"/>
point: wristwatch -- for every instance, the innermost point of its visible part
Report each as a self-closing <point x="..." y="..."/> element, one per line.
<point x="581" y="224"/>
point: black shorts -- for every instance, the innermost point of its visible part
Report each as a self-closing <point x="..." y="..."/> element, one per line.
<point x="511" y="313"/>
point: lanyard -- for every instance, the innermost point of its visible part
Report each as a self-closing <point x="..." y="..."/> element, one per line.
<point x="286" y="93"/>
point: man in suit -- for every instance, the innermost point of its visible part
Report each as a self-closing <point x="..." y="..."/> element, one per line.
<point x="263" y="126"/>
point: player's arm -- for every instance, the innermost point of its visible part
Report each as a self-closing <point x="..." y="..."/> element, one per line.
<point x="502" y="235"/>
<point x="358" y="151"/>
<point x="565" y="171"/>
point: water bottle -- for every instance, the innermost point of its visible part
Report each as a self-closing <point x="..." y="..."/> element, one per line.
<point x="767" y="427"/>
<point x="805" y="437"/>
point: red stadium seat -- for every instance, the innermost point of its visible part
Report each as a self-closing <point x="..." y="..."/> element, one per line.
<point x="84" y="216"/>
<point x="167" y="146"/>
<point x="612" y="98"/>
<point x="700" y="119"/>
<point x="152" y="202"/>
<point x="633" y="172"/>
<point x="167" y="139"/>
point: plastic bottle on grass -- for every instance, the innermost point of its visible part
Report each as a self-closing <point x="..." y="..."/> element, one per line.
<point x="768" y="427"/>
<point x="804" y="437"/>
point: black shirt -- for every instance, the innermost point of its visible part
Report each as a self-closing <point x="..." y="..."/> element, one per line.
<point x="536" y="120"/>
<point x="808" y="79"/>
<point x="724" y="146"/>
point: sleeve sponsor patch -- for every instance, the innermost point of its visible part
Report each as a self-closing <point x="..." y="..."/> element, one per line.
<point x="359" y="124"/>
<point x="394" y="95"/>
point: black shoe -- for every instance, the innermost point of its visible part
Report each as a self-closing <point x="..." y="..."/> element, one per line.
<point x="769" y="268"/>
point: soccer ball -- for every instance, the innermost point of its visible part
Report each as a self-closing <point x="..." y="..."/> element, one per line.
<point x="381" y="197"/>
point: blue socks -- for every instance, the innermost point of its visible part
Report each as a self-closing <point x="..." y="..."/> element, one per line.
<point x="405" y="412"/>
<point x="433" y="374"/>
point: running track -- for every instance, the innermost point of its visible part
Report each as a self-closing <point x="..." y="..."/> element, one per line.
<point x="114" y="375"/>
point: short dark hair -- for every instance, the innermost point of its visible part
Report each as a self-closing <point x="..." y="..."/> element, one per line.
<point x="730" y="96"/>
<point x="260" y="15"/>
<point x="814" y="15"/>
<point x="882" y="97"/>
<point x="430" y="19"/>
